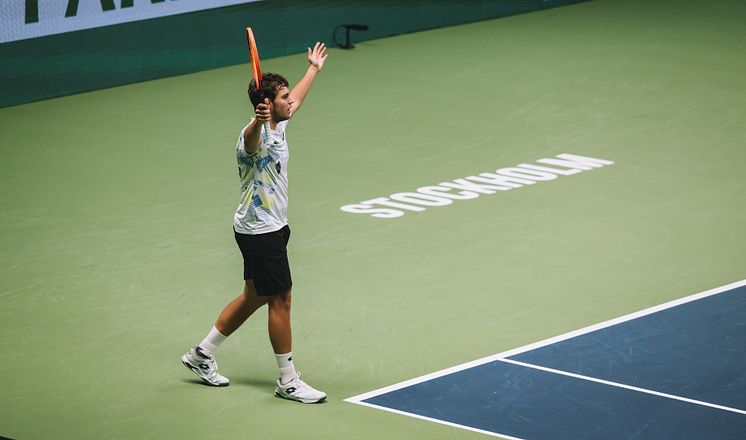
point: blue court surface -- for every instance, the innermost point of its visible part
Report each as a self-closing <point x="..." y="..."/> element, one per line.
<point x="674" y="371"/>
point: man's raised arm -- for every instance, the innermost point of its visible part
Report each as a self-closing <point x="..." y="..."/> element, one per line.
<point x="316" y="58"/>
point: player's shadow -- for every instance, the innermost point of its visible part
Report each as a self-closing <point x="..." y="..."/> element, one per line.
<point x="259" y="384"/>
<point x="253" y="382"/>
<point x="247" y="381"/>
<point x="194" y="382"/>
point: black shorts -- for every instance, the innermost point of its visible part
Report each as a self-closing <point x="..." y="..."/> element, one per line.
<point x="265" y="261"/>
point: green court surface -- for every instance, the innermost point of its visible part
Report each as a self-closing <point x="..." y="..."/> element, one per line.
<point x="117" y="252"/>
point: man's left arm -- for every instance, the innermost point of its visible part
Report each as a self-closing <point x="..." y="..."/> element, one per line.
<point x="316" y="58"/>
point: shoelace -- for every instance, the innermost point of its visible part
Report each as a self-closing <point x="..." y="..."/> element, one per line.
<point x="299" y="384"/>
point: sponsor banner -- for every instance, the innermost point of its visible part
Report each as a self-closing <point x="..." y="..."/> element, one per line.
<point x="24" y="19"/>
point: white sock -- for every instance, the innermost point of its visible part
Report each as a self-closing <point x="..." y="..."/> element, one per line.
<point x="211" y="343"/>
<point x="287" y="369"/>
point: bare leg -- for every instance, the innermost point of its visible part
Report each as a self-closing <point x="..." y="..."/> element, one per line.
<point x="280" y="335"/>
<point x="239" y="310"/>
<point x="289" y="384"/>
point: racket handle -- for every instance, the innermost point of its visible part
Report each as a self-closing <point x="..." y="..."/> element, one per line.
<point x="265" y="136"/>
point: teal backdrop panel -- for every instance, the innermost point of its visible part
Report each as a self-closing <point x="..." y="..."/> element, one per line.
<point x="97" y="58"/>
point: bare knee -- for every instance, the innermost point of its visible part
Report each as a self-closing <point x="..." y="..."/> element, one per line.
<point x="281" y="301"/>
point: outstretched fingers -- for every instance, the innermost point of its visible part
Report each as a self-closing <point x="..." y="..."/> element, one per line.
<point x="317" y="55"/>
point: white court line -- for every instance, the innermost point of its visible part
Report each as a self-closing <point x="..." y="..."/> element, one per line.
<point x="501" y="356"/>
<point x="621" y="385"/>
<point x="442" y="422"/>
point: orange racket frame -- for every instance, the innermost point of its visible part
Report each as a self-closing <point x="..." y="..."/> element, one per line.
<point x="256" y="71"/>
<point x="256" y="67"/>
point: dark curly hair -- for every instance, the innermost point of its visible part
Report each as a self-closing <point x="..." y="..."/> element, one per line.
<point x="271" y="83"/>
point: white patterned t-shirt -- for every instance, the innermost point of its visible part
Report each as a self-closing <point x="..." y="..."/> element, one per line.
<point x="263" y="205"/>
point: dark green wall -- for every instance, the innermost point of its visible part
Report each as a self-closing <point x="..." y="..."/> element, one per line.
<point x="86" y="60"/>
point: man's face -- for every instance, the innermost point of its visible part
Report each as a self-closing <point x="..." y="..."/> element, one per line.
<point x="282" y="107"/>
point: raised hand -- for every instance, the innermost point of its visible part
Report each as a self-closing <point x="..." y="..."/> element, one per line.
<point x="318" y="55"/>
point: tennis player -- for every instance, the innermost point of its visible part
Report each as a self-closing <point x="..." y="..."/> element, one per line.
<point x="262" y="233"/>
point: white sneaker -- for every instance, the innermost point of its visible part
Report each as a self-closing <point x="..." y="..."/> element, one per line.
<point x="300" y="391"/>
<point x="205" y="367"/>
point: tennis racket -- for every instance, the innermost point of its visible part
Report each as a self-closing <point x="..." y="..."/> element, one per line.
<point x="256" y="70"/>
